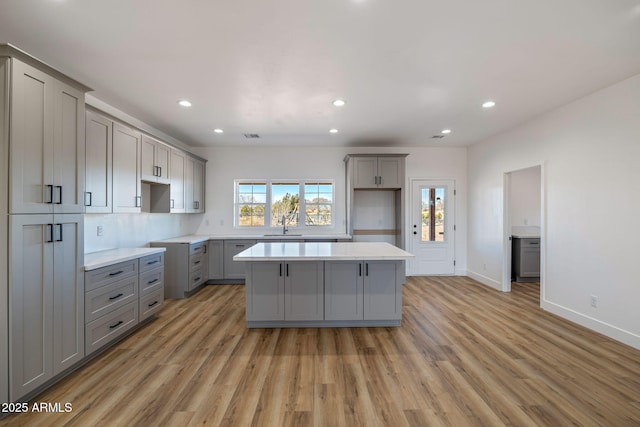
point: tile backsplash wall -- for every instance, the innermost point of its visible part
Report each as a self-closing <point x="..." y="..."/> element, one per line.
<point x="131" y="230"/>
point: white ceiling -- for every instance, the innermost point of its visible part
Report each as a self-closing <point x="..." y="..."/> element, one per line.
<point x="406" y="68"/>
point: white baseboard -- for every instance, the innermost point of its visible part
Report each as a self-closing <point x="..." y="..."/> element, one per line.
<point x="604" y="328"/>
<point x="485" y="280"/>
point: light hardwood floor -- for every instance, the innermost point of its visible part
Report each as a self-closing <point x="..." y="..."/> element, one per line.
<point x="464" y="355"/>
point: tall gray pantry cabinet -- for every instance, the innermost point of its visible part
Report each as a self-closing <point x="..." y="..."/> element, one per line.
<point x="42" y="162"/>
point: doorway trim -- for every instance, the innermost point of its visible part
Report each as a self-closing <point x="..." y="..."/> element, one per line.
<point x="506" y="229"/>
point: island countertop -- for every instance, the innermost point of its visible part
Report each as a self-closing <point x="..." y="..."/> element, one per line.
<point x="321" y="251"/>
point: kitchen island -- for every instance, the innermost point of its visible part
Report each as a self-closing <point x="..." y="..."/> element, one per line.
<point x="323" y="284"/>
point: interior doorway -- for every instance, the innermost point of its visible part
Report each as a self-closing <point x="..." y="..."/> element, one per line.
<point x="523" y="217"/>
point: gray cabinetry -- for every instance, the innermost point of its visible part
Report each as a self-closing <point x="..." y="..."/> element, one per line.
<point x="378" y="172"/>
<point x="177" y="176"/>
<point x="343" y="296"/>
<point x="383" y="290"/>
<point x="127" y="193"/>
<point x="285" y="291"/>
<point x="47" y="143"/>
<point x="234" y="269"/>
<point x="195" y="176"/>
<point x="151" y="285"/>
<point x="46" y="312"/>
<point x="526" y="259"/>
<point x="216" y="259"/>
<point x="111" y="301"/>
<point x="304" y="290"/>
<point x="99" y="146"/>
<point x="154" y="160"/>
<point x="186" y="267"/>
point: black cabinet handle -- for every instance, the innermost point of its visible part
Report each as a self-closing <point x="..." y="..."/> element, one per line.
<point x="90" y="198"/>
<point x="287" y="270"/>
<point x="196" y="279"/>
<point x="116" y="297"/>
<point x="160" y="171"/>
<point x="116" y="325"/>
<point x="173" y="204"/>
<point x="152" y="304"/>
<point x="116" y="273"/>
<point x="50" y="188"/>
<point x="197" y="262"/>
<point x="153" y="281"/>
<point x="50" y="230"/>
<point x="359" y="269"/>
<point x="59" y="187"/>
<point x="60" y="238"/>
<point x="280" y="269"/>
<point x="366" y="269"/>
<point x="153" y="262"/>
<point x="204" y="247"/>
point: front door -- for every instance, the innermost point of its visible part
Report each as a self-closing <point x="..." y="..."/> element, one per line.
<point x="431" y="234"/>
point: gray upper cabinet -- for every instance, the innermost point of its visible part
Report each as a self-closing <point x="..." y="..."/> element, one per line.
<point x="99" y="155"/>
<point x="47" y="302"/>
<point x="378" y="172"/>
<point x="127" y="195"/>
<point x="195" y="176"/>
<point x="177" y="166"/>
<point x="155" y="158"/>
<point x="46" y="143"/>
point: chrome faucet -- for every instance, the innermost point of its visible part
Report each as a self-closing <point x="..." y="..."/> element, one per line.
<point x="284" y="225"/>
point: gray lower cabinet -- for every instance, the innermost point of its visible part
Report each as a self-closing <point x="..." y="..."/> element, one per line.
<point x="383" y="290"/>
<point x="234" y="269"/>
<point x="526" y="259"/>
<point x="111" y="303"/>
<point x="119" y="296"/>
<point x="187" y="267"/>
<point x="344" y="290"/>
<point x="285" y="291"/>
<point x="216" y="259"/>
<point x="46" y="310"/>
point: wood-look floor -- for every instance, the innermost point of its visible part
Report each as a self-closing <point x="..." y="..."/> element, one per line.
<point x="465" y="355"/>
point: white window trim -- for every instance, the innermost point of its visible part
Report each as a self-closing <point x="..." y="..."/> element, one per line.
<point x="302" y="208"/>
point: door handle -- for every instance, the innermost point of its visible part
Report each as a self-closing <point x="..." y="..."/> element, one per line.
<point x="90" y="198"/>
<point x="59" y="187"/>
<point x="50" y="230"/>
<point x="50" y="188"/>
<point x="60" y="239"/>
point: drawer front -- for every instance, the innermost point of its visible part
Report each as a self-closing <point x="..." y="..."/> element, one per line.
<point x="196" y="278"/>
<point x="103" y="276"/>
<point x="151" y="281"/>
<point x="198" y="248"/>
<point x="152" y="261"/>
<point x="151" y="304"/>
<point x="105" y="299"/>
<point x="196" y="262"/>
<point x="105" y="329"/>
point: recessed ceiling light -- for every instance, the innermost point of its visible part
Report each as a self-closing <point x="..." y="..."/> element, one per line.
<point x="333" y="130"/>
<point x="184" y="103"/>
<point x="338" y="102"/>
<point x="489" y="104"/>
<point x="218" y="131"/>
<point x="446" y="131"/>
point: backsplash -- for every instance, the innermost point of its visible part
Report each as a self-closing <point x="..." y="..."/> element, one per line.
<point x="131" y="230"/>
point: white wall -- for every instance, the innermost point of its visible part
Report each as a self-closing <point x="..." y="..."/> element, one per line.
<point x="132" y="230"/>
<point x="590" y="156"/>
<point x="524" y="198"/>
<point x="228" y="163"/>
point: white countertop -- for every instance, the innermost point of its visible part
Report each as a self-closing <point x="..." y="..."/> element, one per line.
<point x="191" y="239"/>
<point x="317" y="251"/>
<point x="100" y="259"/>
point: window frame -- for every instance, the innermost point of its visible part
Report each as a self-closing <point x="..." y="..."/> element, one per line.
<point x="302" y="213"/>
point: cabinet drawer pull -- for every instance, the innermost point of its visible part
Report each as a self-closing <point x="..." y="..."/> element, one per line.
<point x="59" y="187"/>
<point x="197" y="262"/>
<point x="50" y="188"/>
<point x="153" y="281"/>
<point x="239" y="246"/>
<point x="116" y="297"/>
<point x="116" y="324"/>
<point x="196" y="279"/>
<point x="152" y="304"/>
<point x="153" y="262"/>
<point x="116" y="273"/>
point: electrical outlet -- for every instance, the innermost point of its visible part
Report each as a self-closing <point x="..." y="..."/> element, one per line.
<point x="99" y="230"/>
<point x="484" y="267"/>
<point x="594" y="301"/>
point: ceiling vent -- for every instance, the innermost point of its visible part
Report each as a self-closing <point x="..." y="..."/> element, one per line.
<point x="437" y="137"/>
<point x="251" y="135"/>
